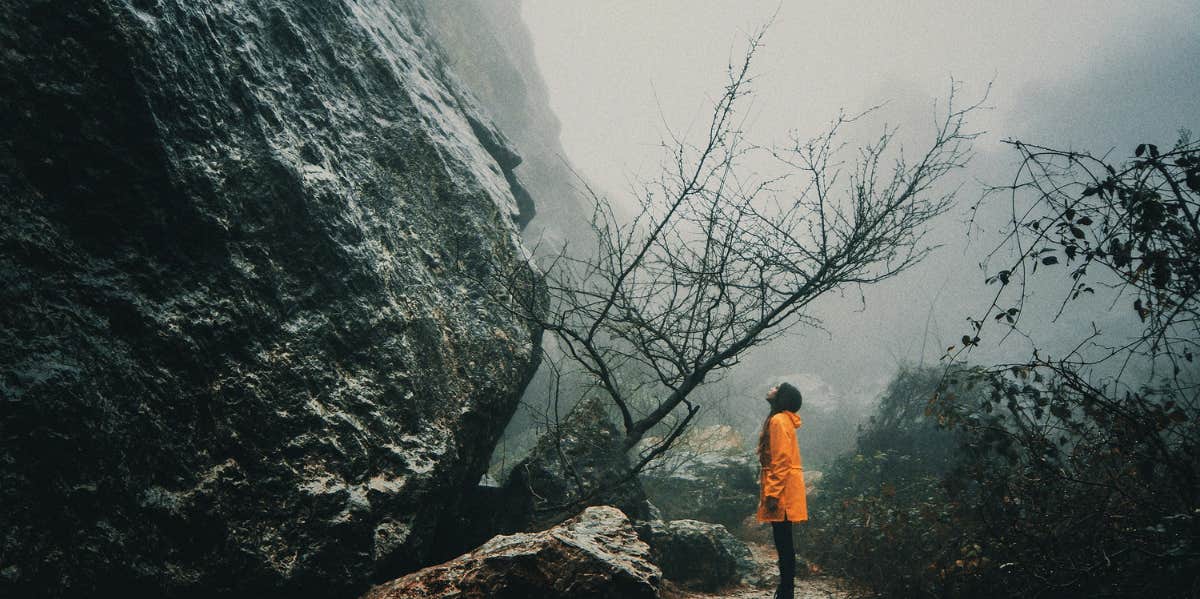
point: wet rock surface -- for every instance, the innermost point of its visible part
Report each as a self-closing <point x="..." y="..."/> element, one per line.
<point x="581" y="463"/>
<point x="721" y="488"/>
<point x="245" y="346"/>
<point x="596" y="555"/>
<point x="699" y="555"/>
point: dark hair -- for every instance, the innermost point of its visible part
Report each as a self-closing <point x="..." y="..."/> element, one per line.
<point x="787" y="398"/>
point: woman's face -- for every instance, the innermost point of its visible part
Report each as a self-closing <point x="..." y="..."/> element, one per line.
<point x="771" y="394"/>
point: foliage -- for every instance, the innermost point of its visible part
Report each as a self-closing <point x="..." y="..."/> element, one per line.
<point x="961" y="501"/>
<point x="1102" y="444"/>
<point x="1132" y="228"/>
<point x="1082" y="491"/>
<point x="1071" y="476"/>
<point x="887" y="514"/>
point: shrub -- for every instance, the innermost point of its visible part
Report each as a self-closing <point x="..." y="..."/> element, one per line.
<point x="1006" y="484"/>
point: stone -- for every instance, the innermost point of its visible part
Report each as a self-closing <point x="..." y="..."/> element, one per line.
<point x="581" y="463"/>
<point x="753" y="531"/>
<point x="717" y="487"/>
<point x="596" y="555"/>
<point x="250" y="341"/>
<point x="699" y="556"/>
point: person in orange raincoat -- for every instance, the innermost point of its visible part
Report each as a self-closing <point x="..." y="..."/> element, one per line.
<point x="782" y="500"/>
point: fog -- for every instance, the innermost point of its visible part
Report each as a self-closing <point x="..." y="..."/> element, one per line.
<point x="1101" y="76"/>
<point x="300" y="299"/>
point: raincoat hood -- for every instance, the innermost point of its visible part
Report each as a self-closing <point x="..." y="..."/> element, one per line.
<point x="793" y="417"/>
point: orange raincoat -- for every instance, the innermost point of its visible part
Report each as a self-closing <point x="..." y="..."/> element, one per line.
<point x="783" y="475"/>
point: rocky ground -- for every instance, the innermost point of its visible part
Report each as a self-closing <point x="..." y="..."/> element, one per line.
<point x="812" y="586"/>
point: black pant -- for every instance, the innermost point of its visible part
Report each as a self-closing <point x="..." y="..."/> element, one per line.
<point x="782" y="532"/>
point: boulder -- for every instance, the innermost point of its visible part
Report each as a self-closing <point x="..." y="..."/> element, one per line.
<point x="717" y="487"/>
<point x="581" y="463"/>
<point x="699" y="556"/>
<point x="596" y="555"/>
<point x="249" y="340"/>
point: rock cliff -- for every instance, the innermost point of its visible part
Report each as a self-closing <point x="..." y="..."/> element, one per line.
<point x="246" y="341"/>
<point x="492" y="52"/>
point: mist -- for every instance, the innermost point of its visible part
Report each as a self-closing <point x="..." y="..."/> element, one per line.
<point x="681" y="299"/>
<point x="1103" y="76"/>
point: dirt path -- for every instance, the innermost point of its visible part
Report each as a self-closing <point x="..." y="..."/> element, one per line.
<point x="812" y="586"/>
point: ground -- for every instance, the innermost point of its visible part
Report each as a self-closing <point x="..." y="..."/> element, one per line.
<point x="814" y="585"/>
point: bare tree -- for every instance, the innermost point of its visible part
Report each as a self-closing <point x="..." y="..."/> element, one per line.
<point x="721" y="259"/>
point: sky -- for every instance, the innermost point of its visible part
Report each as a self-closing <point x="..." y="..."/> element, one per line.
<point x="1097" y="75"/>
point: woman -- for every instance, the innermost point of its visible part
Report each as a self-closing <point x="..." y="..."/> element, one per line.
<point x="782" y="500"/>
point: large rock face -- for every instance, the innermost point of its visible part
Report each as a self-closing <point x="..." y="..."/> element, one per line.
<point x="245" y="345"/>
<point x="596" y="555"/>
<point x="493" y="54"/>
